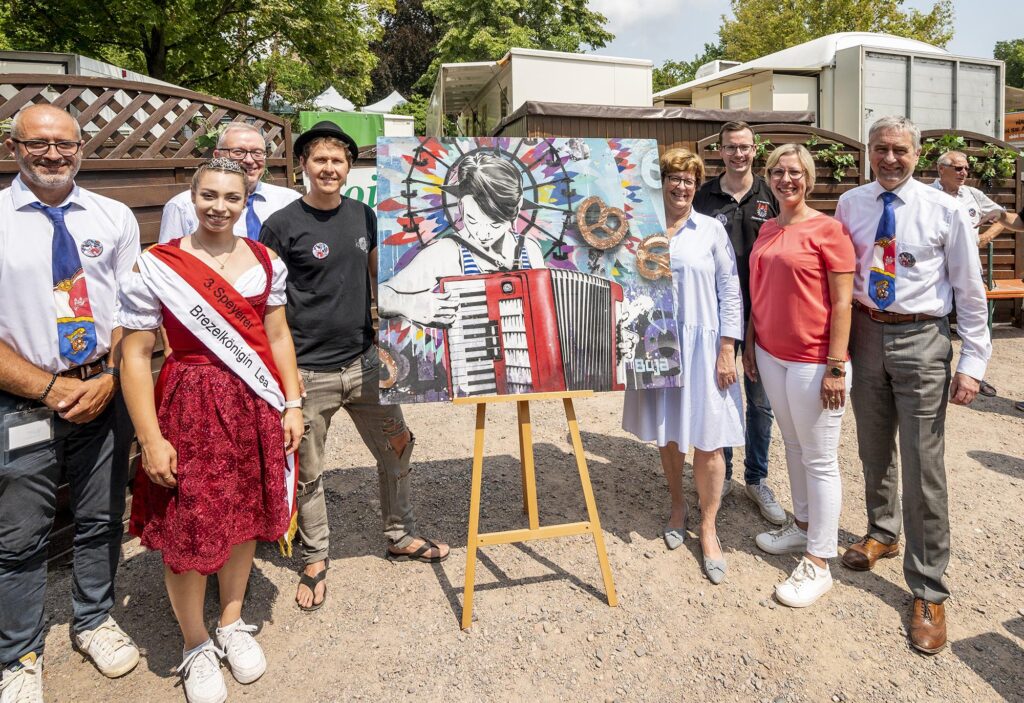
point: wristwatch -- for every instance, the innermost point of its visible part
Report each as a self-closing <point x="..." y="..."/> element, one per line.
<point x="837" y="372"/>
<point x="112" y="371"/>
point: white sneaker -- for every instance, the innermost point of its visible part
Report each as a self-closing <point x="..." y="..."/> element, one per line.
<point x="244" y="654"/>
<point x="22" y="682"/>
<point x="765" y="499"/>
<point x="201" y="676"/>
<point x="786" y="540"/>
<point x="111" y="650"/>
<point x="805" y="585"/>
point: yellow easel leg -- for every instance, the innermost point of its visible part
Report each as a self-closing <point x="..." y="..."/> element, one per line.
<point x="474" y="515"/>
<point x="526" y="457"/>
<point x="522" y="451"/>
<point x="588" y="495"/>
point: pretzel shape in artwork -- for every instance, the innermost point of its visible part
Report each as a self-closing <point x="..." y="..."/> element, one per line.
<point x="652" y="258"/>
<point x="600" y="234"/>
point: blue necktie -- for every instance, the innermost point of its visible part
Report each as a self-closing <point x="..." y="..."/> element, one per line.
<point x="76" y="328"/>
<point x="882" y="281"/>
<point x="252" y="220"/>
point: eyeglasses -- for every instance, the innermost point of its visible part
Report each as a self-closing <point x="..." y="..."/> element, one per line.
<point x="742" y="149"/>
<point x="778" y="173"/>
<point x="39" y="147"/>
<point x="677" y="181"/>
<point x="958" y="169"/>
<point x="240" y="154"/>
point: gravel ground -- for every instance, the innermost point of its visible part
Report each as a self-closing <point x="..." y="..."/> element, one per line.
<point x="543" y="630"/>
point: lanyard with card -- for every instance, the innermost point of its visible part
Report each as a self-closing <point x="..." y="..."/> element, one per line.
<point x="21" y="430"/>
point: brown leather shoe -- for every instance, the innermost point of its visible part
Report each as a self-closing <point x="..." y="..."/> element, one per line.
<point x="928" y="626"/>
<point x="863" y="555"/>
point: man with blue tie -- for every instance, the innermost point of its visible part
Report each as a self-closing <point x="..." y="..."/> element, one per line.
<point x="915" y="250"/>
<point x="64" y="252"/>
<point x="243" y="143"/>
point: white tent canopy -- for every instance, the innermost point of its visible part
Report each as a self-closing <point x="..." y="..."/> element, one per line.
<point x="387" y="104"/>
<point x="331" y="99"/>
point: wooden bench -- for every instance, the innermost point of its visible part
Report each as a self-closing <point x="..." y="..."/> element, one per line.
<point x="1001" y="289"/>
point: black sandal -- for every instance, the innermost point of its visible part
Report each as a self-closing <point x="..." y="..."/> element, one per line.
<point x="419" y="554"/>
<point x="311" y="582"/>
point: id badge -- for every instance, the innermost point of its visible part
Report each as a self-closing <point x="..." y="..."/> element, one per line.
<point x="23" y="430"/>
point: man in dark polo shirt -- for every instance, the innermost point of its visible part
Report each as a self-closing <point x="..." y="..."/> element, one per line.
<point x="742" y="202"/>
<point x="329" y="244"/>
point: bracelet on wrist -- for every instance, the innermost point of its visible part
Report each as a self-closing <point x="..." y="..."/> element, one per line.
<point x="46" y="392"/>
<point x="289" y="404"/>
<point x="835" y="360"/>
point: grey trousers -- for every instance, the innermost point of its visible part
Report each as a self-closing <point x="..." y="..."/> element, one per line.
<point x="901" y="376"/>
<point x="354" y="388"/>
<point x="94" y="457"/>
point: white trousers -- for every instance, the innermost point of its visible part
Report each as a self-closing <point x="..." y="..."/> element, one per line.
<point x="811" y="436"/>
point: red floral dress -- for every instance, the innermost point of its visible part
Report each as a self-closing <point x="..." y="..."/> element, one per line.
<point x="230" y="447"/>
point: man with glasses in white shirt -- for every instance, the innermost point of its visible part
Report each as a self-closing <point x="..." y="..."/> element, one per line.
<point x="742" y="202"/>
<point x="953" y="171"/>
<point x="243" y="143"/>
<point x="915" y="249"/>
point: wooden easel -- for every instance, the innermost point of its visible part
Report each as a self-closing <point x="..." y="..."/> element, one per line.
<point x="592" y="525"/>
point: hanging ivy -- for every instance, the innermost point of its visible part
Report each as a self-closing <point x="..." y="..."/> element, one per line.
<point x="832" y="156"/>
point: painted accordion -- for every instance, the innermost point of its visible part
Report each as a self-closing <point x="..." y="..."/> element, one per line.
<point x="534" y="331"/>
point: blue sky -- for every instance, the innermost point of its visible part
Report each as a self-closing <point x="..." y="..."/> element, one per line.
<point x="677" y="29"/>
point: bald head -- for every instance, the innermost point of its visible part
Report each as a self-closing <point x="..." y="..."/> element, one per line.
<point x="31" y="118"/>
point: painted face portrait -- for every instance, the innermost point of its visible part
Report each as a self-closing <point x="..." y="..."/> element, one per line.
<point x="490" y="193"/>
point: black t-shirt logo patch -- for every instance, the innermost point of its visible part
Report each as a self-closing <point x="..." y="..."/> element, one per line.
<point x="906" y="259"/>
<point x="723" y="218"/>
<point x="762" y="209"/>
<point x="321" y="250"/>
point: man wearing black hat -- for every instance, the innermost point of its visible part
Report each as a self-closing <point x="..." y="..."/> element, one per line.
<point x="329" y="244"/>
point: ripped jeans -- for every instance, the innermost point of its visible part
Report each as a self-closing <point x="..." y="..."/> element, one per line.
<point x="383" y="431"/>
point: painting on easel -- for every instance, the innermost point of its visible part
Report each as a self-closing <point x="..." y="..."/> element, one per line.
<point x="511" y="266"/>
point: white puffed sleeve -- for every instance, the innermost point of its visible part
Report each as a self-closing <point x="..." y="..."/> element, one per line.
<point x="279" y="273"/>
<point x="140" y="308"/>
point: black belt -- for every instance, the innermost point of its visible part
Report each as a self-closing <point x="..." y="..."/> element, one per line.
<point x="892" y="318"/>
<point x="85" y="371"/>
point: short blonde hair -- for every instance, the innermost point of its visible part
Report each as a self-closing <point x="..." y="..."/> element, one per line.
<point x="802" y="155"/>
<point x="681" y="160"/>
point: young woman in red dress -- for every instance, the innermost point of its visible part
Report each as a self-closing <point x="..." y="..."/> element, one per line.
<point x="213" y="446"/>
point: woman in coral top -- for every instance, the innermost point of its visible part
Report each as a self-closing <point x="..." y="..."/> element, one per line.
<point x="801" y="289"/>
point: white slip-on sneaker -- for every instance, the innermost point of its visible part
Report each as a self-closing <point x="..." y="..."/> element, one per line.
<point x="244" y="654"/>
<point x="805" y="585"/>
<point x="22" y="682"/>
<point x="785" y="540"/>
<point x="201" y="675"/>
<point x="111" y="650"/>
<point x="765" y="499"/>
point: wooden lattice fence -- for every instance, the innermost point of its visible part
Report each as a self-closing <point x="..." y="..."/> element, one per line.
<point x="142" y="140"/>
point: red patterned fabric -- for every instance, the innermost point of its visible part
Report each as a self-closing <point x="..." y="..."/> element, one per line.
<point x="230" y="464"/>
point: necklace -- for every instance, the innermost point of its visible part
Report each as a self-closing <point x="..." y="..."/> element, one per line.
<point x="234" y="245"/>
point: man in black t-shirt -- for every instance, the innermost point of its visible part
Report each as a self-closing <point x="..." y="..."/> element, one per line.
<point x="329" y="244"/>
<point x="742" y="202"/>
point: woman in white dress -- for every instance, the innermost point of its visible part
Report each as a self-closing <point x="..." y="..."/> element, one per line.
<point x="705" y="412"/>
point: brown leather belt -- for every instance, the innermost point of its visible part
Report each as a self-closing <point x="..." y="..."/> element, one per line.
<point x="891" y="318"/>
<point x="84" y="372"/>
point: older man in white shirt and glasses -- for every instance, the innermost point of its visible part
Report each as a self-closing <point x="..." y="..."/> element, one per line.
<point x="243" y="143"/>
<point x="915" y="249"/>
<point x="63" y="253"/>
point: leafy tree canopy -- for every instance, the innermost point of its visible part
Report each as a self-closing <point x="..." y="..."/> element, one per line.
<point x="760" y="27"/>
<point x="404" y="50"/>
<point x="229" y="48"/>
<point x="1012" y="52"/>
<point x="483" y="30"/>
<point x="672" y="73"/>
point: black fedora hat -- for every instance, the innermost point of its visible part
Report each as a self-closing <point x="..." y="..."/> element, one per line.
<point x="326" y="128"/>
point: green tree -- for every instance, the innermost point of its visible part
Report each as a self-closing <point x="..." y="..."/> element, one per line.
<point x="1012" y="52"/>
<point x="224" y="47"/>
<point x="673" y="73"/>
<point x="404" y="50"/>
<point x="483" y="30"/>
<point x="760" y="27"/>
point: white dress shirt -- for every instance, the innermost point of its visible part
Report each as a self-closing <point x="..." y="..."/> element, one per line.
<point x="936" y="256"/>
<point x="28" y="322"/>
<point x="977" y="203"/>
<point x="179" y="217"/>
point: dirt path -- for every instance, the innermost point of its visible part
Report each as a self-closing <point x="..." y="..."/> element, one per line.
<point x="543" y="630"/>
